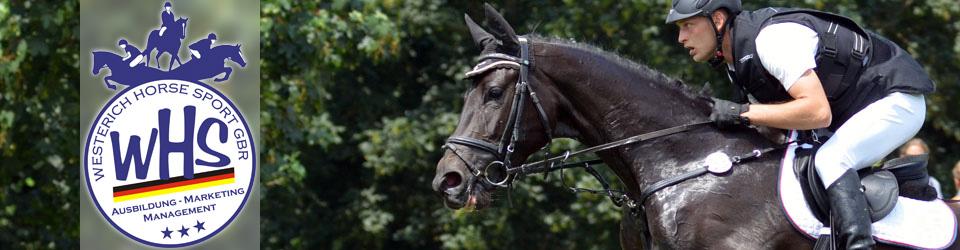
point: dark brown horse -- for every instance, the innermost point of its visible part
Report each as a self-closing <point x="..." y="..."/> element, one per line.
<point x="595" y="98"/>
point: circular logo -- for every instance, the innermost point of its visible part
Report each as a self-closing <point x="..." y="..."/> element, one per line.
<point x="169" y="163"/>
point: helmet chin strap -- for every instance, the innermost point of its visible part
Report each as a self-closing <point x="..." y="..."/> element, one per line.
<point x="717" y="61"/>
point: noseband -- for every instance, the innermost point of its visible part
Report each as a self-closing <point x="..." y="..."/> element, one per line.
<point x="501" y="171"/>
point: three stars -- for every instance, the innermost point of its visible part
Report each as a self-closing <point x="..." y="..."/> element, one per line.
<point x="184" y="231"/>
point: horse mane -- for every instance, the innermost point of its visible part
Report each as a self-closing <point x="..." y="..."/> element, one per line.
<point x="104" y="52"/>
<point x="670" y="83"/>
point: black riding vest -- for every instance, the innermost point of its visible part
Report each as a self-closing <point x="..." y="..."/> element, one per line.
<point x="855" y="67"/>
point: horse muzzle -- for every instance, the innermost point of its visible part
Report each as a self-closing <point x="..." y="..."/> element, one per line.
<point x="451" y="186"/>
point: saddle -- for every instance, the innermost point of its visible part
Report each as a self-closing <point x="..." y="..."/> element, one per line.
<point x="906" y="176"/>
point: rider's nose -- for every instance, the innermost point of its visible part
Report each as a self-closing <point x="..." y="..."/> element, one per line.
<point x="447" y="182"/>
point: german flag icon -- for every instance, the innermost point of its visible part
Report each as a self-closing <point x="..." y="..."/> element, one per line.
<point x="172" y="185"/>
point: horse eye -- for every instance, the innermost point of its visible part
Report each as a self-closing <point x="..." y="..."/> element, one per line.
<point x="495" y="93"/>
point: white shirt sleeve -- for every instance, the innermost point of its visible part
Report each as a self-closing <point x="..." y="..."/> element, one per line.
<point x="787" y="50"/>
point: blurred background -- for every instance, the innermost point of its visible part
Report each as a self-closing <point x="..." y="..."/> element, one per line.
<point x="39" y="124"/>
<point x="356" y="98"/>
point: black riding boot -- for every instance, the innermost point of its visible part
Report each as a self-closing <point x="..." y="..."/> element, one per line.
<point x="849" y="213"/>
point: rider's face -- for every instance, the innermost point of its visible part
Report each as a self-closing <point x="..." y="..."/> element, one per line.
<point x="697" y="37"/>
<point x="123" y="46"/>
<point x="167" y="9"/>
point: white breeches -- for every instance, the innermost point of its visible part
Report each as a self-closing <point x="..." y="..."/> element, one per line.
<point x="136" y="61"/>
<point x="870" y="135"/>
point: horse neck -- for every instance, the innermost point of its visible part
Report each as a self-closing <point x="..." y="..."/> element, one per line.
<point x="605" y="99"/>
<point x="107" y="57"/>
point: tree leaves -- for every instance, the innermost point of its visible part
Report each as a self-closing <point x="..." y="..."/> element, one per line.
<point x="39" y="123"/>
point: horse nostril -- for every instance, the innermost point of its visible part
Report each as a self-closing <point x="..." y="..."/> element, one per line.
<point x="452" y="180"/>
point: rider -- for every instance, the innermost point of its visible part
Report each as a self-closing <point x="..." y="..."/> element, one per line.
<point x="166" y="17"/>
<point x="806" y="69"/>
<point x="131" y="53"/>
<point x="197" y="49"/>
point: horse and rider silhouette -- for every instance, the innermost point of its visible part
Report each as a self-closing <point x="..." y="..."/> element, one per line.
<point x="210" y="65"/>
<point x="169" y="43"/>
<point x="167" y="38"/>
<point x="207" y="61"/>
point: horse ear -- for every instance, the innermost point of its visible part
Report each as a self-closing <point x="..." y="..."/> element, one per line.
<point x="480" y="37"/>
<point x="500" y="28"/>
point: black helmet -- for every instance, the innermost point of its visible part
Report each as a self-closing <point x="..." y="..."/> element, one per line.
<point x="687" y="8"/>
<point x="167" y="5"/>
<point x="212" y="36"/>
<point x="122" y="42"/>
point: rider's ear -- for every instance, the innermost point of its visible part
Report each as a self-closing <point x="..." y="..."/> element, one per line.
<point x="501" y="29"/>
<point x="719" y="18"/>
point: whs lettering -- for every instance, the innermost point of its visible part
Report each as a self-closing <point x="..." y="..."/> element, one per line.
<point x="160" y="141"/>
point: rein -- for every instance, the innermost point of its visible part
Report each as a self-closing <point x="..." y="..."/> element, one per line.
<point x="541" y="166"/>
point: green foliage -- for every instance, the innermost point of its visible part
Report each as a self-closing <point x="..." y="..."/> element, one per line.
<point x="39" y="120"/>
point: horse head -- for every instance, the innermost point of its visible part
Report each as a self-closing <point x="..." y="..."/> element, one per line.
<point x="500" y="124"/>
<point x="236" y="55"/>
<point x="232" y="52"/>
<point x="182" y="21"/>
<point x="103" y="59"/>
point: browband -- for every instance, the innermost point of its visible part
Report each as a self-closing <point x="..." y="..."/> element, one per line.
<point x="493" y="61"/>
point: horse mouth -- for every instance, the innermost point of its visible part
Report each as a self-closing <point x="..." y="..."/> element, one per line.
<point x="454" y="202"/>
<point x="475" y="198"/>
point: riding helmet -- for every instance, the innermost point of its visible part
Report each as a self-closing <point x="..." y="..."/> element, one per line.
<point x="687" y="8"/>
<point x="212" y="36"/>
<point x="122" y="42"/>
<point x="167" y="5"/>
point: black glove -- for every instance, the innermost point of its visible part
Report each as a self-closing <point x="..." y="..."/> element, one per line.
<point x="726" y="114"/>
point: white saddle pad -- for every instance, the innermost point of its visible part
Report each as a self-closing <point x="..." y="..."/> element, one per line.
<point x="912" y="223"/>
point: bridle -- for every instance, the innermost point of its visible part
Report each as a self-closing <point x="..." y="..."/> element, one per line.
<point x="501" y="172"/>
